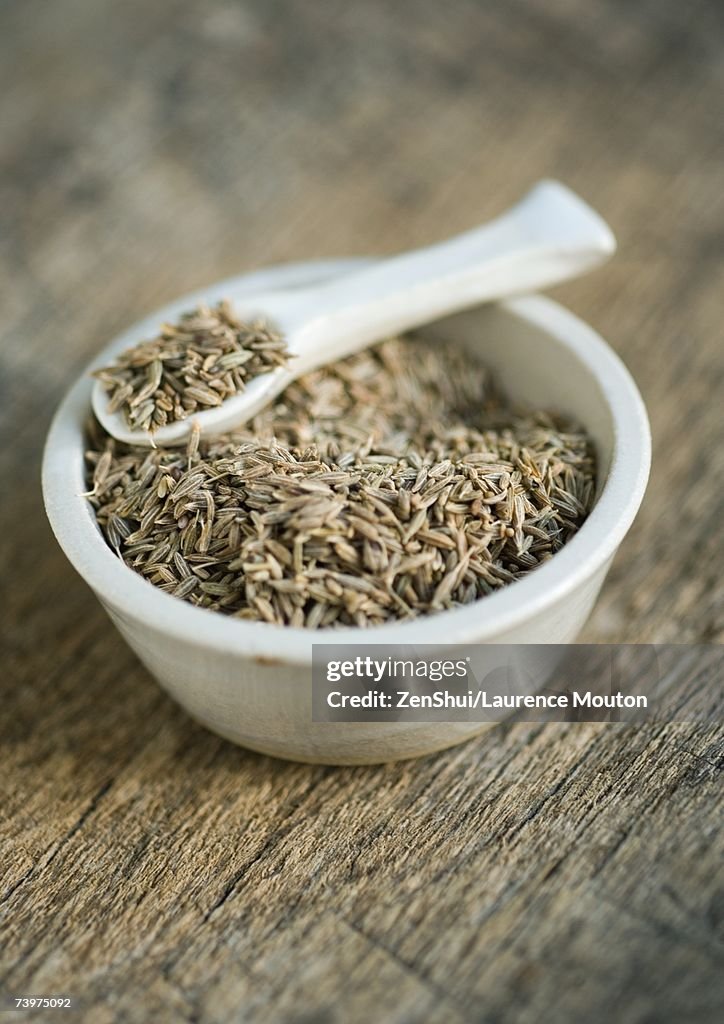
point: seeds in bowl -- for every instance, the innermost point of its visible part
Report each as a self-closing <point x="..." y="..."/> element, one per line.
<point x="208" y="355"/>
<point x="393" y="484"/>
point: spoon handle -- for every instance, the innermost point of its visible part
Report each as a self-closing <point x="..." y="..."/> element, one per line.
<point x="549" y="236"/>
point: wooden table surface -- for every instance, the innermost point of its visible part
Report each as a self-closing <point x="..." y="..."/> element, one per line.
<point x="152" y="871"/>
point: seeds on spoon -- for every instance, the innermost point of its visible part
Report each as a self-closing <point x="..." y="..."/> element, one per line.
<point x="195" y="364"/>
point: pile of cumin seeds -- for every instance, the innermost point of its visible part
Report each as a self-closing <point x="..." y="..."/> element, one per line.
<point x="208" y="355"/>
<point x="390" y="485"/>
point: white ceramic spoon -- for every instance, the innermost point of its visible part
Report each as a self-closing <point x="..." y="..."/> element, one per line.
<point x="549" y="236"/>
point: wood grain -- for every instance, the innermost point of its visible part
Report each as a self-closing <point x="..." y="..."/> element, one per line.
<point x="154" y="872"/>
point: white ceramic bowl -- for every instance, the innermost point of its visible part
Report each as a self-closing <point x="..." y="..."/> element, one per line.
<point x="251" y="682"/>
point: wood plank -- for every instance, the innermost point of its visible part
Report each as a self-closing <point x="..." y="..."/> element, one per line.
<point x="151" y="870"/>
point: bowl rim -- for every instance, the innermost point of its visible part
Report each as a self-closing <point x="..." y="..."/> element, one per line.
<point x="133" y="598"/>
